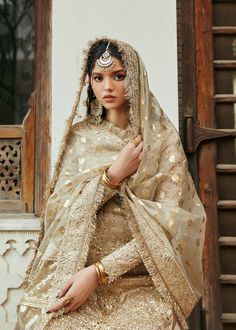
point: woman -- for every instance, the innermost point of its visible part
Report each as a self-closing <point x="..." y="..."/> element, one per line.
<point x="123" y="226"/>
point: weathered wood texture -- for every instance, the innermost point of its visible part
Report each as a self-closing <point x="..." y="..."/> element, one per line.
<point x="207" y="155"/>
<point x="187" y="99"/>
<point x="186" y="62"/>
<point x="28" y="162"/>
<point x="43" y="29"/>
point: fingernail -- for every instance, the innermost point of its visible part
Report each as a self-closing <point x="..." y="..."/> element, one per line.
<point x="48" y="312"/>
<point x="58" y="295"/>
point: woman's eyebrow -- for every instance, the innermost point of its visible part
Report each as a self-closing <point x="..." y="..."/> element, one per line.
<point x="117" y="71"/>
<point x="121" y="70"/>
<point x="96" y="73"/>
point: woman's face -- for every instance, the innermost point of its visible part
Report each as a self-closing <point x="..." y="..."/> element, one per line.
<point x="108" y="86"/>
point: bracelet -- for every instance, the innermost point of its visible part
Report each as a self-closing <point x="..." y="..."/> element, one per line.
<point x="102" y="276"/>
<point x="106" y="181"/>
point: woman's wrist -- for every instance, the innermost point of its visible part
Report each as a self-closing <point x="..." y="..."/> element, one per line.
<point x="106" y="181"/>
<point x="101" y="274"/>
<point x="95" y="273"/>
<point x="113" y="176"/>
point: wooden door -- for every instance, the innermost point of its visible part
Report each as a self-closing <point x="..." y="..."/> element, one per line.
<point x="25" y="127"/>
<point x="207" y="46"/>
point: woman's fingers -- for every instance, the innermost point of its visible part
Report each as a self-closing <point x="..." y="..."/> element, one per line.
<point x="71" y="307"/>
<point x="74" y="308"/>
<point x="136" y="140"/>
<point x="59" y="305"/>
<point x="139" y="147"/>
<point x="65" y="288"/>
<point x="141" y="154"/>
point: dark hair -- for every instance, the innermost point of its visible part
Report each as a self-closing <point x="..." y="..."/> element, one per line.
<point x="93" y="55"/>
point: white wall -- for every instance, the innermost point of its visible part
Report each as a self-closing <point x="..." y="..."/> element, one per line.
<point x="149" y="26"/>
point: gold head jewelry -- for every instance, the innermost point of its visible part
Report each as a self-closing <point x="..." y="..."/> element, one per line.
<point x="105" y="61"/>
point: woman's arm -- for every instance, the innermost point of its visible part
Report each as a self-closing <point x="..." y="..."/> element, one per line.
<point x="108" y="194"/>
<point x="121" y="260"/>
<point x="127" y="257"/>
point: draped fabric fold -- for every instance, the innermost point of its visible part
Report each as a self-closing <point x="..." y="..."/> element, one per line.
<point x="161" y="205"/>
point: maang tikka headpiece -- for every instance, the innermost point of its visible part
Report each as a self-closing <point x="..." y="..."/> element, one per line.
<point x="105" y="61"/>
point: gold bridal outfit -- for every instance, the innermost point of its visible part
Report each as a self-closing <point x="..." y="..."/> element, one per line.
<point x="149" y="234"/>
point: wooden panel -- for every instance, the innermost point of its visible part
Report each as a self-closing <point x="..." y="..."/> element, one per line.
<point x="225" y="98"/>
<point x="10" y="169"/>
<point x="225" y="115"/>
<point x="226" y="151"/>
<point x="225" y="81"/>
<point x="227" y="30"/>
<point x="223" y="47"/>
<point x="14" y="131"/>
<point x="35" y="134"/>
<point x="229" y="298"/>
<point x="186" y="62"/>
<point x="226" y="168"/>
<point x="224" y="13"/>
<point x="225" y="64"/>
<point x="187" y="99"/>
<point x="227" y="241"/>
<point x="229" y="327"/>
<point x="226" y="186"/>
<point x="215" y="108"/>
<point x="17" y="165"/>
<point x="43" y="9"/>
<point x="28" y="161"/>
<point x="228" y="279"/>
<point x="227" y="222"/>
<point x="227" y="205"/>
<point x="228" y="258"/>
<point x="207" y="155"/>
<point x="229" y="318"/>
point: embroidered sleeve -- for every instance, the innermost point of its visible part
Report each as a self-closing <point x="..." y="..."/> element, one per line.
<point x="121" y="260"/>
<point x="108" y="194"/>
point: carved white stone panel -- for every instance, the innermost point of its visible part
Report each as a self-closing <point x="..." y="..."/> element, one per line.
<point x="18" y="239"/>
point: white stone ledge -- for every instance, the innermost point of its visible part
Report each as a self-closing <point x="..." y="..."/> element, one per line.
<point x="19" y="222"/>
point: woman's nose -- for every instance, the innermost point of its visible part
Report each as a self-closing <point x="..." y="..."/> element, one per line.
<point x="108" y="85"/>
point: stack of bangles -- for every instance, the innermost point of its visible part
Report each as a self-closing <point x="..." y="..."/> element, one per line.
<point x="106" y="181"/>
<point x="102" y="276"/>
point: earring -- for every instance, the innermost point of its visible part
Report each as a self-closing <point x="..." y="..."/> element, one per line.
<point x="96" y="111"/>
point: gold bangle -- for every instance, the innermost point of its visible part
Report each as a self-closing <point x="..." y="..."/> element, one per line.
<point x="106" y="181"/>
<point x="98" y="274"/>
<point x="102" y="276"/>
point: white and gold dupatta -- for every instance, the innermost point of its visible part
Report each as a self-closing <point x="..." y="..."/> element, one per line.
<point x="162" y="208"/>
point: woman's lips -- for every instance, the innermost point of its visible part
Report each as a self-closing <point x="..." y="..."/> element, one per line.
<point x="109" y="98"/>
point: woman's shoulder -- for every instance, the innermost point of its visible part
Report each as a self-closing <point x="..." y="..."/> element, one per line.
<point x="82" y="125"/>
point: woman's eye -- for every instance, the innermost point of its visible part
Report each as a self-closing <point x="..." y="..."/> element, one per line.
<point x="119" y="77"/>
<point x="97" y="78"/>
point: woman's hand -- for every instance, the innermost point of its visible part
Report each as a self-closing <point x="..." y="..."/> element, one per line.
<point x="127" y="162"/>
<point x="78" y="288"/>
